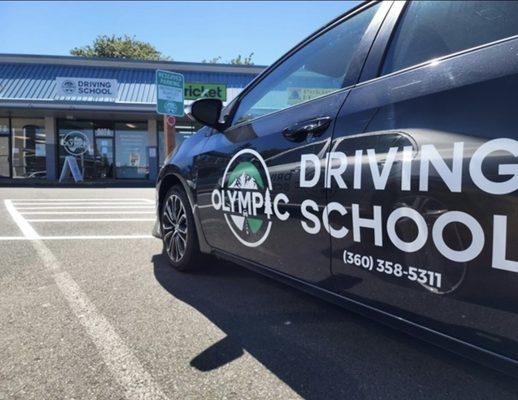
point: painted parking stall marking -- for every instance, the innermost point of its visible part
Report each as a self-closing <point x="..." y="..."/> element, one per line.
<point x="135" y="381"/>
<point x="79" y="213"/>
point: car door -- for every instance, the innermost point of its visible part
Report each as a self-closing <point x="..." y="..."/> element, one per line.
<point x="248" y="188"/>
<point x="428" y="211"/>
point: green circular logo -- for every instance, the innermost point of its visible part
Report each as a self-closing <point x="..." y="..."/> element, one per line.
<point x="245" y="198"/>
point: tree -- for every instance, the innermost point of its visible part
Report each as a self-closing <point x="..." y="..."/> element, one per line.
<point x="119" y="47"/>
<point x="213" y="60"/>
<point x="244" y="61"/>
<point x="239" y="60"/>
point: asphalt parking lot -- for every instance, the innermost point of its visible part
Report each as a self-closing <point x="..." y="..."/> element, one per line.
<point x="90" y="309"/>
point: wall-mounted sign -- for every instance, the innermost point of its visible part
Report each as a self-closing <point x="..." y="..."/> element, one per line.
<point x="75" y="143"/>
<point x="169" y="93"/>
<point x="86" y="87"/>
<point x="194" y="90"/>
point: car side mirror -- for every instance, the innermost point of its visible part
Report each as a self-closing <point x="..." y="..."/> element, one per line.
<point x="207" y="112"/>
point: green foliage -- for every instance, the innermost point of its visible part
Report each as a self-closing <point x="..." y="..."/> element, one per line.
<point x="243" y="61"/>
<point x="119" y="47"/>
<point x="213" y="60"/>
<point x="239" y="60"/>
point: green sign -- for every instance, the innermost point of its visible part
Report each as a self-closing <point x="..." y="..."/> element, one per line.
<point x="195" y="90"/>
<point x="169" y="93"/>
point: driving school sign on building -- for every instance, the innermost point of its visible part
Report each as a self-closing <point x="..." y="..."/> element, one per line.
<point x="86" y="87"/>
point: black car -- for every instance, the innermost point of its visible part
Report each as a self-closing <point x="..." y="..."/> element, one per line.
<point x="375" y="165"/>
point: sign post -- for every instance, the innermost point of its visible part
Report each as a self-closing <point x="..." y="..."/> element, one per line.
<point x="170" y="88"/>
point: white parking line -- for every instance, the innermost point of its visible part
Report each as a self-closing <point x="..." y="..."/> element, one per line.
<point x="89" y="219"/>
<point x="84" y="207"/>
<point x="26" y="228"/>
<point x="97" y="237"/>
<point x="135" y="381"/>
<point x="83" y="203"/>
<point x="129" y="212"/>
<point x="82" y="199"/>
<point x="29" y="233"/>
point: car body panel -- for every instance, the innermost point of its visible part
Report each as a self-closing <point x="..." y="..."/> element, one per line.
<point x="464" y="99"/>
<point x="460" y="101"/>
<point x="309" y="256"/>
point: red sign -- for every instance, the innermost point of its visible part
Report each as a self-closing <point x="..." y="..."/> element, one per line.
<point x="171" y="121"/>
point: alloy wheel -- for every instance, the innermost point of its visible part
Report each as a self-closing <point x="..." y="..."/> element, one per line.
<point x="174" y="228"/>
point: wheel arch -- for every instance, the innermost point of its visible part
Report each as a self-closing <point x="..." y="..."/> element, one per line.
<point x="170" y="177"/>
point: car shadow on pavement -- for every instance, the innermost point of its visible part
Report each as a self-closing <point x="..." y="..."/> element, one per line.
<point x="320" y="350"/>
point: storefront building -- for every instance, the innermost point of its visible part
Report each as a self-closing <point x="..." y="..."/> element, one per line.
<point x="100" y="111"/>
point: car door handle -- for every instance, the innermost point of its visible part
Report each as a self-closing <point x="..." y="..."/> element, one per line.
<point x="300" y="130"/>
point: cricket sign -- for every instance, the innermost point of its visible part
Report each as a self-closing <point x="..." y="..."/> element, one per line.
<point x="246" y="200"/>
<point x="169" y="93"/>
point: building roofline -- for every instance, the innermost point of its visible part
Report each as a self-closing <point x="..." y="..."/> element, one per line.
<point x="132" y="64"/>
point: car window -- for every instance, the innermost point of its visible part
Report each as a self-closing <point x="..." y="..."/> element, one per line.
<point x="315" y="70"/>
<point x="432" y="29"/>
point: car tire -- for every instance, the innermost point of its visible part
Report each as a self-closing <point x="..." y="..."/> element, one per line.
<point x="179" y="231"/>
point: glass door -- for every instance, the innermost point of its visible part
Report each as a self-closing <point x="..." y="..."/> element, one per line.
<point x="76" y="138"/>
<point x="104" y="150"/>
<point x="104" y="157"/>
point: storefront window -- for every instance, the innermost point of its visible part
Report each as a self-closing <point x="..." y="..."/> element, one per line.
<point x="28" y="148"/>
<point x="76" y="138"/>
<point x="131" y="150"/>
<point x="4" y="148"/>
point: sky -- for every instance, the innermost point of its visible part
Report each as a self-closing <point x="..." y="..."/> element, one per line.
<point x="185" y="31"/>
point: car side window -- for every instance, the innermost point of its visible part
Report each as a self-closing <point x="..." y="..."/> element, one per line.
<point x="432" y="29"/>
<point x="315" y="70"/>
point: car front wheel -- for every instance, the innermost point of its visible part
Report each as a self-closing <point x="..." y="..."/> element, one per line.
<point x="178" y="230"/>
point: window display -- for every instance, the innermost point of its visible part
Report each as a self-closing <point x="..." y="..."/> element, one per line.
<point x="28" y="147"/>
<point x="131" y="158"/>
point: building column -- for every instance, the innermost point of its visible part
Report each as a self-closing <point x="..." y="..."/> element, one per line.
<point x="152" y="148"/>
<point x="51" y="147"/>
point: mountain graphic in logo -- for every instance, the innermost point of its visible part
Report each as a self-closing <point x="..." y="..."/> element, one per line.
<point x="246" y="177"/>
<point x="244" y="181"/>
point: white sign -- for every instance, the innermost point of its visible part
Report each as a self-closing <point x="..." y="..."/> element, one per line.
<point x="71" y="167"/>
<point x="86" y="87"/>
<point x="76" y="143"/>
<point x="170" y="93"/>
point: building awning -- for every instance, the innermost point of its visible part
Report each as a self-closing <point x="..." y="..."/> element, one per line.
<point x="51" y="82"/>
